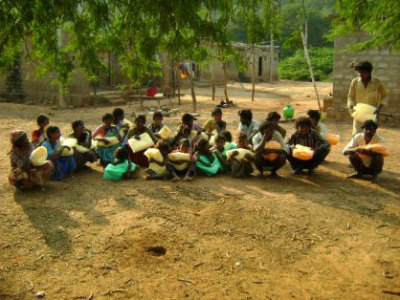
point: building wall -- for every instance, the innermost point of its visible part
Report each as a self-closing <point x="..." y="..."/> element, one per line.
<point x="386" y="68"/>
<point x="43" y="89"/>
<point x="233" y="74"/>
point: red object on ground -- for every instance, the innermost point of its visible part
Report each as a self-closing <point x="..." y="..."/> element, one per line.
<point x="151" y="91"/>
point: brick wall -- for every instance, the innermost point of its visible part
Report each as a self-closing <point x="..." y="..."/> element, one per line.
<point x="386" y="68"/>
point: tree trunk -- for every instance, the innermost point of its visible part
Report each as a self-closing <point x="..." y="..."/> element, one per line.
<point x="178" y="85"/>
<point x="253" y="75"/>
<point x="212" y="82"/>
<point x="173" y="76"/>
<point x="271" y="62"/>
<point x="194" y="100"/>
<point x="62" y="100"/>
<point x="225" y="82"/>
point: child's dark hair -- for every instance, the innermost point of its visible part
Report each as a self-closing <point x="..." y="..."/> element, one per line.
<point x="122" y="154"/>
<point x="273" y="115"/>
<point x="118" y="113"/>
<point x="303" y="121"/>
<point x="216" y="111"/>
<point x="158" y="115"/>
<point x="107" y="116"/>
<point x="141" y="117"/>
<point x="162" y="146"/>
<point x="42" y="119"/>
<point x="76" y="124"/>
<point x="314" y="114"/>
<point x="369" y="124"/>
<point x="227" y="136"/>
<point x="203" y="144"/>
<point x="51" y="130"/>
<point x="246" y="114"/>
<point x="187" y="118"/>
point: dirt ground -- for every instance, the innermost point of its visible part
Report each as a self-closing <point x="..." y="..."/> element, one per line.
<point x="319" y="237"/>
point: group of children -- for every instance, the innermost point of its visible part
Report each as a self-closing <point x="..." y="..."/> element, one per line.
<point x="122" y="147"/>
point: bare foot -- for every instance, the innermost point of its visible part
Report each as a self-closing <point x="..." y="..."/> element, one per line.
<point x="176" y="179"/>
<point x="188" y="178"/>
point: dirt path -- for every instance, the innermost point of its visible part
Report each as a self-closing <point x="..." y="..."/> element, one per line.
<point x="323" y="237"/>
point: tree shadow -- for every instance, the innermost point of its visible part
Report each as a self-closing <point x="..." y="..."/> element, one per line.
<point x="330" y="189"/>
<point x="51" y="220"/>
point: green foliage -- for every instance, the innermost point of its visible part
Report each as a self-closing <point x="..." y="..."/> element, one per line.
<point x="295" y="67"/>
<point x="380" y="19"/>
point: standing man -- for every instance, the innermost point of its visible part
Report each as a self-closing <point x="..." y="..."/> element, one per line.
<point x="365" y="89"/>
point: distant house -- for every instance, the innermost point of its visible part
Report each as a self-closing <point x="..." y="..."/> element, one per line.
<point x="386" y="68"/>
<point x="40" y="90"/>
<point x="265" y="65"/>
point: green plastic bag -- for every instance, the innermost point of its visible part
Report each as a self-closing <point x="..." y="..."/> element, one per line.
<point x="116" y="172"/>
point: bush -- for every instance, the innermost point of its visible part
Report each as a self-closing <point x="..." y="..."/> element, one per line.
<point x="295" y="67"/>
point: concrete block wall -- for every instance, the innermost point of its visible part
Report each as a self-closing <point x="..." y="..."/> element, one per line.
<point x="386" y="68"/>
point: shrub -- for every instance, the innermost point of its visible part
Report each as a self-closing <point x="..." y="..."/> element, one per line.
<point x="295" y="67"/>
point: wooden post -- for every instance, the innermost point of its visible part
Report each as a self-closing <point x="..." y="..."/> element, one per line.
<point x="253" y="74"/>
<point x="307" y="56"/>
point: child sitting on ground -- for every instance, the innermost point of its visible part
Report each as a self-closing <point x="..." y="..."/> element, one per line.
<point x="185" y="168"/>
<point x="318" y="125"/>
<point x="121" y="168"/>
<point x="39" y="135"/>
<point x="159" y="168"/>
<point x="274" y="118"/>
<point x="216" y="123"/>
<point x="242" y="168"/>
<point x="207" y="162"/>
<point x="220" y="151"/>
<point x="63" y="165"/>
<point x="157" y="123"/>
<point x="229" y="145"/>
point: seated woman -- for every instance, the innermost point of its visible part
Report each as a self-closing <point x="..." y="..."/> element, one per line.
<point x="268" y="158"/>
<point x="39" y="135"/>
<point x="216" y="123"/>
<point x="82" y="154"/>
<point x="186" y="169"/>
<point x="370" y="163"/>
<point x="63" y="165"/>
<point x="207" y="162"/>
<point x="242" y="168"/>
<point x="23" y="174"/>
<point x="108" y="138"/>
<point x="121" y="168"/>
<point x="315" y="117"/>
<point x="140" y="128"/>
<point x="275" y="117"/>
<point x="305" y="135"/>
<point x="247" y="124"/>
